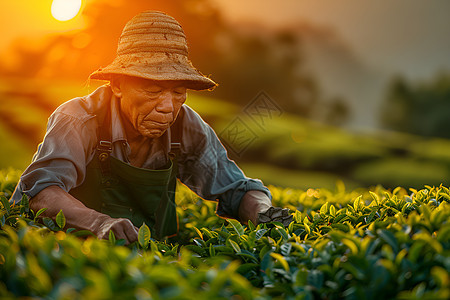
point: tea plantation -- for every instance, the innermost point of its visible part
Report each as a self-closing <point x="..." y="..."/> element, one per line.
<point x="360" y="244"/>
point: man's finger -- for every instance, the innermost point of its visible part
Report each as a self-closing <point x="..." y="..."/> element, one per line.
<point x="124" y="229"/>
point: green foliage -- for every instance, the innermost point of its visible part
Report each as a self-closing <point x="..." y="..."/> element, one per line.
<point x="361" y="244"/>
<point x="420" y="109"/>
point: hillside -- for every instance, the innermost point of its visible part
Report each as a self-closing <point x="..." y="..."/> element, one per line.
<point x="288" y="151"/>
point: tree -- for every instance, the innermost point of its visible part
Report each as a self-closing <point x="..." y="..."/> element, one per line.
<point x="418" y="108"/>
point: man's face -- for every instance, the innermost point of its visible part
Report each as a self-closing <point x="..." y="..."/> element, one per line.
<point x="150" y="106"/>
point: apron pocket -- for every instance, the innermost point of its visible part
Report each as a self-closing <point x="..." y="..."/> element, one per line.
<point x="117" y="211"/>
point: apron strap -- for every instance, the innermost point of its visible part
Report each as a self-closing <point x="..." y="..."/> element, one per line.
<point x="104" y="146"/>
<point x="176" y="133"/>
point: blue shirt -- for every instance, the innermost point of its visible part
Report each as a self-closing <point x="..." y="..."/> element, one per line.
<point x="71" y="139"/>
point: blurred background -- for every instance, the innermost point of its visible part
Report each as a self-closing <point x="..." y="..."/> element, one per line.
<point x="359" y="90"/>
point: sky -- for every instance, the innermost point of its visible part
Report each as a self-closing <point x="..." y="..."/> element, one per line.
<point x="405" y="36"/>
<point x="401" y="36"/>
<point x="30" y="19"/>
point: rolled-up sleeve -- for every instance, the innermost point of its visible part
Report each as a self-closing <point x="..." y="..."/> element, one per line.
<point x="61" y="158"/>
<point x="206" y="169"/>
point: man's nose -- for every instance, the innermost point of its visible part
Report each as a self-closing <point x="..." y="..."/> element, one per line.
<point x="165" y="105"/>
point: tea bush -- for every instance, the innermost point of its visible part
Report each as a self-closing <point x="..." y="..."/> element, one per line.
<point x="360" y="244"/>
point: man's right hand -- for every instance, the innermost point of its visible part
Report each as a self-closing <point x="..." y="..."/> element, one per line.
<point x="81" y="217"/>
<point x="121" y="227"/>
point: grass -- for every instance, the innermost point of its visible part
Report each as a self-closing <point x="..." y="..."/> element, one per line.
<point x="281" y="177"/>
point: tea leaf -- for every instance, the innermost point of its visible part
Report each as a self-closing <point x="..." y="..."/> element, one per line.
<point x="198" y="232"/>
<point x="25" y="203"/>
<point x="5" y="203"/>
<point x="50" y="224"/>
<point x="144" y="235"/>
<point x="308" y="230"/>
<point x="251" y="226"/>
<point x="61" y="219"/>
<point x="281" y="259"/>
<point x="260" y="233"/>
<point x="234" y="245"/>
<point x="332" y="210"/>
<point x="40" y="212"/>
<point x="112" y="238"/>
<point x="236" y="226"/>
<point x="324" y="208"/>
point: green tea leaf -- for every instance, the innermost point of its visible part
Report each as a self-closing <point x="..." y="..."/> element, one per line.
<point x="112" y="238"/>
<point x="297" y="216"/>
<point x="61" y="219"/>
<point x="375" y="197"/>
<point x="198" y="232"/>
<point x="25" y="203"/>
<point x="332" y="210"/>
<point x="285" y="249"/>
<point x="260" y="233"/>
<point x="144" y="235"/>
<point x="40" y="212"/>
<point x="308" y="230"/>
<point x="235" y="246"/>
<point x="50" y="224"/>
<point x="282" y="261"/>
<point x="389" y="238"/>
<point x="351" y="245"/>
<point x="356" y="203"/>
<point x="212" y="251"/>
<point x="236" y="226"/>
<point x="5" y="203"/>
<point x="283" y="233"/>
<point x="251" y="226"/>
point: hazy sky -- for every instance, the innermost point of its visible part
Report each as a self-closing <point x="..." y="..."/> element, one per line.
<point x="410" y="36"/>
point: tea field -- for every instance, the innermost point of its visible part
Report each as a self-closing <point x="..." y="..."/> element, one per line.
<point x="341" y="244"/>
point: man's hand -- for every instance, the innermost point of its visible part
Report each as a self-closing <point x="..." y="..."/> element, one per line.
<point x="257" y="207"/>
<point x="81" y="217"/>
<point x="276" y="214"/>
<point x="253" y="203"/>
<point x="122" y="228"/>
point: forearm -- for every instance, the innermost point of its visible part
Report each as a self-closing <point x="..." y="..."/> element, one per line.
<point x="77" y="215"/>
<point x="81" y="217"/>
<point x="252" y="203"/>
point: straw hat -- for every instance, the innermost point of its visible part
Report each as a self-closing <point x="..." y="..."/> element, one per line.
<point x="153" y="46"/>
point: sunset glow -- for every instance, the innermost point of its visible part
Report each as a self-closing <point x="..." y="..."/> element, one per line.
<point x="64" y="10"/>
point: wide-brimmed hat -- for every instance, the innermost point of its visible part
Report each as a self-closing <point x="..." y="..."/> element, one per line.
<point x="153" y="46"/>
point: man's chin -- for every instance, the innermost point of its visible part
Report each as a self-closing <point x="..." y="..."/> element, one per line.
<point x="153" y="133"/>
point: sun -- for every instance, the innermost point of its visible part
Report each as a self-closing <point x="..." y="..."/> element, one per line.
<point x="64" y="10"/>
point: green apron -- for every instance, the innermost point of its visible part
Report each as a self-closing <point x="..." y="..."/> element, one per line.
<point x="120" y="190"/>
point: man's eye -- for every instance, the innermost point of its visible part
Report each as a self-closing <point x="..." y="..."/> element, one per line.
<point x="154" y="92"/>
<point x="180" y="92"/>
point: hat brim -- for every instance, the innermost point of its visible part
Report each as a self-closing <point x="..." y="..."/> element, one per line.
<point x="156" y="68"/>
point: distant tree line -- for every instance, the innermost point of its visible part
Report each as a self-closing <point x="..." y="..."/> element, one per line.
<point x="418" y="108"/>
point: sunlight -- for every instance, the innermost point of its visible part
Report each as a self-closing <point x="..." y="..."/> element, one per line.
<point x="64" y="10"/>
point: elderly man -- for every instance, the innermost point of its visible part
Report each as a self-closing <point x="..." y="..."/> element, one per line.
<point x="110" y="160"/>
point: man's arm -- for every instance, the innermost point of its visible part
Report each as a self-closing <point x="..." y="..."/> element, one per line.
<point x="252" y="203"/>
<point x="81" y="217"/>
<point x="206" y="169"/>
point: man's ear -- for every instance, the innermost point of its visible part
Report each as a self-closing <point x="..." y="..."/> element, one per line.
<point x="115" y="87"/>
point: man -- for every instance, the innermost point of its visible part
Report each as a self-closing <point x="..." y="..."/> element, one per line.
<point x="110" y="160"/>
